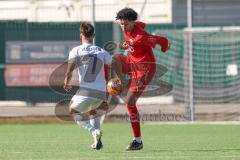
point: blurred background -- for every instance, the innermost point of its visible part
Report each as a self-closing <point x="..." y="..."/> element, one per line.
<point x="202" y="64"/>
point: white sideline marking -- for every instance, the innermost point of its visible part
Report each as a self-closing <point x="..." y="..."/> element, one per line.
<point x="153" y="100"/>
<point x="172" y="157"/>
<point x="13" y="103"/>
<point x="193" y="123"/>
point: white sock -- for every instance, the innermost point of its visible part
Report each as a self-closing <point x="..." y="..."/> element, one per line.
<point x="95" y="122"/>
<point x="85" y="124"/>
<point x="138" y="139"/>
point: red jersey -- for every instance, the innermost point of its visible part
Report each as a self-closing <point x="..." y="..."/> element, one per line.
<point x="142" y="52"/>
<point x="143" y="42"/>
<point x="140" y="44"/>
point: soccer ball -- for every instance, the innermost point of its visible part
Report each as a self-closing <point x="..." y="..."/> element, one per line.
<point x="114" y="87"/>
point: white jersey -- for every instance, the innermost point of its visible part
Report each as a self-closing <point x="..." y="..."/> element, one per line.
<point x="90" y="60"/>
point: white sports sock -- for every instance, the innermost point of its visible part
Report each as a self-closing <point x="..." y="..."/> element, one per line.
<point x="95" y="122"/>
<point x="138" y="139"/>
<point x="85" y="124"/>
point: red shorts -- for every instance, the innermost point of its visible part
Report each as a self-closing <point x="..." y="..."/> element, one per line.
<point x="141" y="73"/>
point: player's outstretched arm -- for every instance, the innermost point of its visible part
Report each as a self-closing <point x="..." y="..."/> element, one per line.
<point x="151" y="41"/>
<point x="164" y="42"/>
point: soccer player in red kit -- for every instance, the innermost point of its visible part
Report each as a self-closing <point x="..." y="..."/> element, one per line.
<point x="140" y="65"/>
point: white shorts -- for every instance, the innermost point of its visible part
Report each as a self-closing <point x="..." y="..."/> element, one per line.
<point x="82" y="103"/>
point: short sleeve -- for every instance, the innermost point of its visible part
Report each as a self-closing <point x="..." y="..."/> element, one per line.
<point x="107" y="58"/>
<point x="72" y="56"/>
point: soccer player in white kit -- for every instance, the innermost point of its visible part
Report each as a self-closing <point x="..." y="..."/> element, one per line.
<point x="89" y="60"/>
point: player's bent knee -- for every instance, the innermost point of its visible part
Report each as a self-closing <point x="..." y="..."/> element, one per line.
<point x="118" y="57"/>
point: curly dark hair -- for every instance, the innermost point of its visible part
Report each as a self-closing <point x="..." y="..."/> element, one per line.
<point x="127" y="14"/>
<point x="87" y="29"/>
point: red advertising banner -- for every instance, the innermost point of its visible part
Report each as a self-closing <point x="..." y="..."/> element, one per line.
<point x="35" y="75"/>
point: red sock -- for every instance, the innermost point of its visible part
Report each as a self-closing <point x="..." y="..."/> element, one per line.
<point x="135" y="120"/>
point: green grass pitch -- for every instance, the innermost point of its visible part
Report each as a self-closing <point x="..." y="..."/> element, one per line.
<point x="68" y="141"/>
